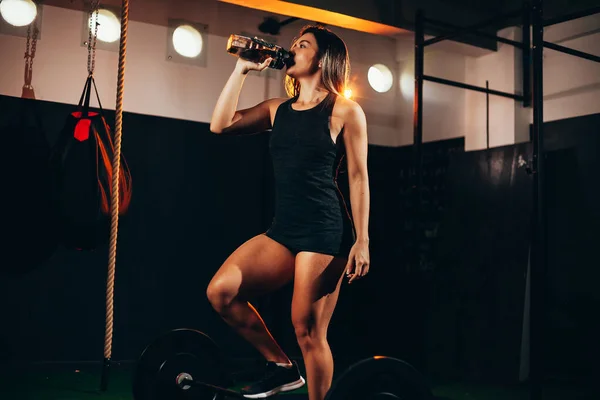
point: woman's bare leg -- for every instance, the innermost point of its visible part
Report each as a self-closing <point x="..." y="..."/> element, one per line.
<point x="317" y="285"/>
<point x="258" y="266"/>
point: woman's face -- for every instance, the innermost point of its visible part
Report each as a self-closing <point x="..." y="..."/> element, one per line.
<point x="304" y="52"/>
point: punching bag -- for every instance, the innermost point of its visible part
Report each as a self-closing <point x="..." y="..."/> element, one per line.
<point x="81" y="162"/>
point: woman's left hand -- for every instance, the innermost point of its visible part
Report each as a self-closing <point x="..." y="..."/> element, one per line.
<point x="358" y="261"/>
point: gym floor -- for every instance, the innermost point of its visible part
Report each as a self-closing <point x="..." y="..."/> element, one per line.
<point x="81" y="382"/>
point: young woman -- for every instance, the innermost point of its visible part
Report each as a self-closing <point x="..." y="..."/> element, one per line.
<point x="316" y="233"/>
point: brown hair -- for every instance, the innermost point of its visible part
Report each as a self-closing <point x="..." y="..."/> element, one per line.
<point x="334" y="58"/>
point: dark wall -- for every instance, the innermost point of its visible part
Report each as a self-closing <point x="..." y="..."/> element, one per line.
<point x="482" y="251"/>
<point x="446" y="286"/>
<point x="573" y="298"/>
<point x="196" y="196"/>
<point x="481" y="256"/>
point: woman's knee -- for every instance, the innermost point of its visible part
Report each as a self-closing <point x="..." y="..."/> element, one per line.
<point x="220" y="294"/>
<point x="308" y="334"/>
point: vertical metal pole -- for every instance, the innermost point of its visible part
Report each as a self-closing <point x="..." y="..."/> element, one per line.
<point x="417" y="170"/>
<point x="487" y="115"/>
<point x="526" y="54"/>
<point x="418" y="129"/>
<point x="538" y="265"/>
<point x="104" y="377"/>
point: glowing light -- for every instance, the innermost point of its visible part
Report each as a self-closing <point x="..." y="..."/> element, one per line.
<point x="407" y="85"/>
<point x="348" y="93"/>
<point x="380" y="78"/>
<point x="187" y="41"/>
<point x="109" y="27"/>
<point x="18" y="12"/>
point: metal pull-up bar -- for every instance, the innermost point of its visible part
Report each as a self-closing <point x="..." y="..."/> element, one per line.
<point x="474" y="29"/>
<point x="473" y="87"/>
<point x="566" y="18"/>
<point x="572" y="52"/>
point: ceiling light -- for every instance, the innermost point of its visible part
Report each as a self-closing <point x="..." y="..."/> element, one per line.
<point x="18" y="12"/>
<point x="380" y="78"/>
<point x="187" y="41"/>
<point x="109" y="27"/>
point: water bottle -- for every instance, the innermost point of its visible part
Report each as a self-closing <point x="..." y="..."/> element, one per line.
<point x="258" y="50"/>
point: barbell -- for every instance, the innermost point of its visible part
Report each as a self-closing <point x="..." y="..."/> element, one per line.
<point x="187" y="363"/>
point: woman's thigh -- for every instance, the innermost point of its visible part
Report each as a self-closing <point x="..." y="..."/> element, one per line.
<point x="258" y="266"/>
<point x="317" y="283"/>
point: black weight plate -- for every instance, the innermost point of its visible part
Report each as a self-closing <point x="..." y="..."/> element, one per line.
<point x="380" y="378"/>
<point x="179" y="351"/>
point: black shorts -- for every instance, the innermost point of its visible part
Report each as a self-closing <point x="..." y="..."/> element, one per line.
<point x="337" y="245"/>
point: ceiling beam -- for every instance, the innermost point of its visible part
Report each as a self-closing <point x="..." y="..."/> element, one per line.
<point x="325" y="16"/>
<point x="380" y="17"/>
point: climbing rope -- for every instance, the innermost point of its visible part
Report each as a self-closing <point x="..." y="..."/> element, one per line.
<point x="110" y="282"/>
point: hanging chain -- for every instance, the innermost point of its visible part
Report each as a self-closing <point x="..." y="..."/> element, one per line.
<point x="30" y="48"/>
<point x="93" y="26"/>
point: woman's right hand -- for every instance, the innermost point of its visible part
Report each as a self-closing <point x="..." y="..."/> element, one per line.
<point x="243" y="66"/>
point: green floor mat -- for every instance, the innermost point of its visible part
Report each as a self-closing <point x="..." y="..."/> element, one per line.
<point x="52" y="382"/>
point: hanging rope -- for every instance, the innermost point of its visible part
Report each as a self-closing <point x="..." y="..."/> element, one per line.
<point x="110" y="282"/>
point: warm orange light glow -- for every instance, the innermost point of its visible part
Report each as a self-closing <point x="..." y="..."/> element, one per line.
<point x="316" y="14"/>
<point x="348" y="93"/>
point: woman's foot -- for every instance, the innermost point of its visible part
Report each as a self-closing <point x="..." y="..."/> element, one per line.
<point x="276" y="379"/>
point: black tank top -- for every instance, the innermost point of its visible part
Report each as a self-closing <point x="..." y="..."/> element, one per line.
<point x="311" y="213"/>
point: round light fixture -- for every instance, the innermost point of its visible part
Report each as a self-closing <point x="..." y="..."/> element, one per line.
<point x="187" y="41"/>
<point x="109" y="27"/>
<point x="380" y="78"/>
<point x="18" y="12"/>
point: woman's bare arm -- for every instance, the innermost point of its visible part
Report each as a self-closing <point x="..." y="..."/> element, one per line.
<point x="225" y="119"/>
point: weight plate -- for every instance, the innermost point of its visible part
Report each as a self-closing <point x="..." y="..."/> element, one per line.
<point x="380" y="378"/>
<point x="181" y="352"/>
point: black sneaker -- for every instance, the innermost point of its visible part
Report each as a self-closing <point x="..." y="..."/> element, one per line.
<point x="276" y="379"/>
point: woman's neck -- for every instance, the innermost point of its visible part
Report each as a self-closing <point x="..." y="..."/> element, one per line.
<point x="311" y="91"/>
<point x="311" y="96"/>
